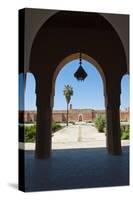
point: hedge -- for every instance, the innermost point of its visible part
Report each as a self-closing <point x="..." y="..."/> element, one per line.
<point x="30" y="131"/>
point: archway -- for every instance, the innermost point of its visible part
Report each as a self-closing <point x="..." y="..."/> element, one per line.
<point x="70" y="38"/>
<point x="21" y="99"/>
<point x="80" y="118"/>
<point x="30" y="109"/>
<point x="27" y="107"/>
<point x="72" y="57"/>
<point x="88" y="96"/>
<point x="27" y="86"/>
<point x="30" y="95"/>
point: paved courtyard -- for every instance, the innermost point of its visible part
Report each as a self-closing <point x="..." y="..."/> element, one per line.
<point x="78" y="136"/>
<point x="81" y="135"/>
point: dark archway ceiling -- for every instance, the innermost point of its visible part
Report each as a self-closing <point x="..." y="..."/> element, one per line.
<point x="35" y="18"/>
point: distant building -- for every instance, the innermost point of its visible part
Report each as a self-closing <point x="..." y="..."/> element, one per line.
<point x="75" y="115"/>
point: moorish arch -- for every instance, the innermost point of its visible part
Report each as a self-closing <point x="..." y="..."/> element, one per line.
<point x="72" y="57"/>
<point x="69" y="59"/>
<point x="65" y="34"/>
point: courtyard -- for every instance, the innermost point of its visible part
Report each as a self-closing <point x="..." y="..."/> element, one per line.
<point x="80" y="135"/>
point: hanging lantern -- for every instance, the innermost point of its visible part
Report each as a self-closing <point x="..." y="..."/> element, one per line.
<point x="80" y="74"/>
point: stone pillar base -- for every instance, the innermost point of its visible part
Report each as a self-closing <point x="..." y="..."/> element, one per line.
<point x="113" y="131"/>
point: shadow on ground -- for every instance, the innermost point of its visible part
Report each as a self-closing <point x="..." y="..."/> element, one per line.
<point x="76" y="168"/>
<point x="13" y="185"/>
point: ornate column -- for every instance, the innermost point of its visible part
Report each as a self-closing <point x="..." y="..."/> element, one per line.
<point x="113" y="119"/>
<point x="44" y="113"/>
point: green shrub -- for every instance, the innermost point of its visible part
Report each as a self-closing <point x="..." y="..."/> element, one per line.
<point x="72" y="122"/>
<point x="125" y="136"/>
<point x="100" y="123"/>
<point x="57" y="122"/>
<point x="125" y="132"/>
<point x="29" y="132"/>
<point x="56" y="127"/>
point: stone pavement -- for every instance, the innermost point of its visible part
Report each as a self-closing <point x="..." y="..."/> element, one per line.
<point x="81" y="135"/>
<point x="78" y="136"/>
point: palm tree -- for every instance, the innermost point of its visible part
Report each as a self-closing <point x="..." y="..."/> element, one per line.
<point x="68" y="92"/>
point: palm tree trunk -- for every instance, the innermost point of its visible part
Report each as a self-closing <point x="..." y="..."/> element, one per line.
<point x="67" y="114"/>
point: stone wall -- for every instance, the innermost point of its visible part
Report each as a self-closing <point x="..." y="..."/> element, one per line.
<point x="87" y="115"/>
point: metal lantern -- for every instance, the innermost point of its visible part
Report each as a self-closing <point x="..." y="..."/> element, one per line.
<point x="80" y="74"/>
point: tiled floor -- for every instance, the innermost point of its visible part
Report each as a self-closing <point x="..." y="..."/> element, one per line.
<point x="76" y="168"/>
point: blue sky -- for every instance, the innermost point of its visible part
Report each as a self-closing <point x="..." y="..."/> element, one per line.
<point x="87" y="94"/>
